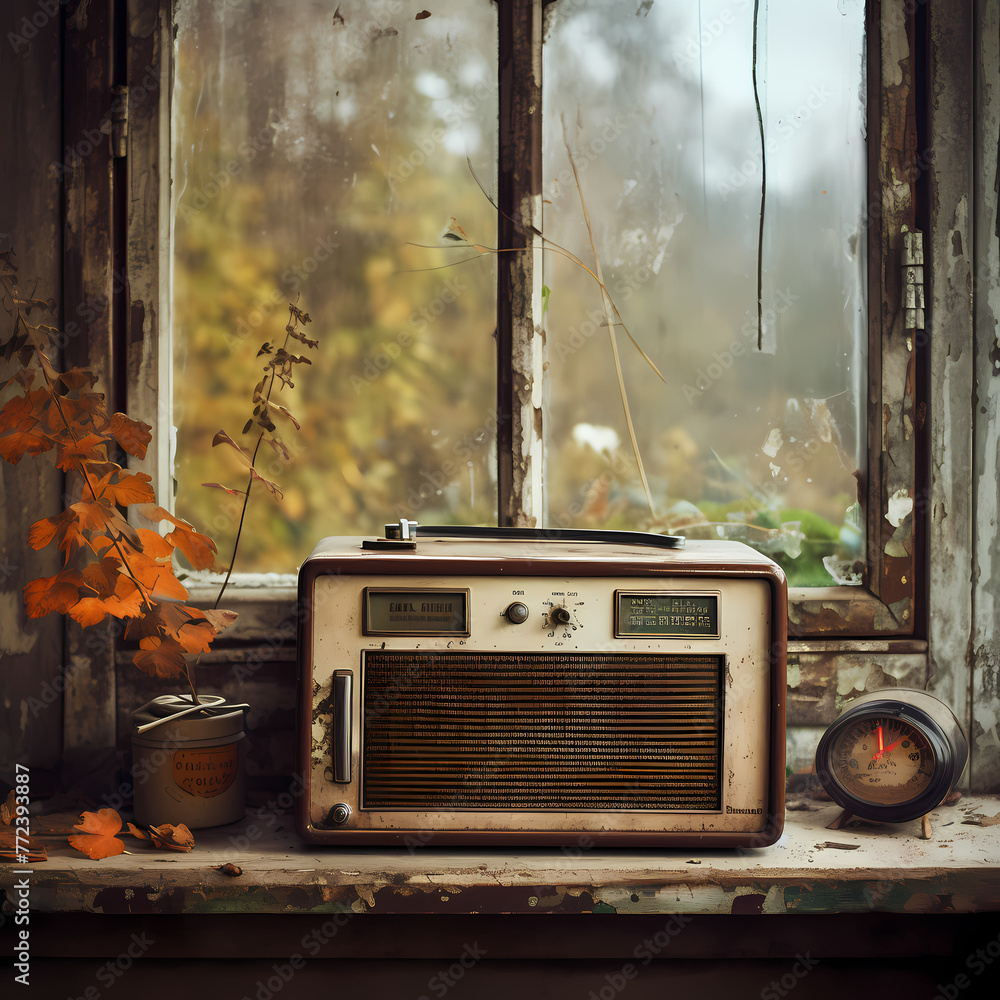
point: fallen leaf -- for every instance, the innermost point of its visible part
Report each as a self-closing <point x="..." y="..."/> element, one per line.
<point x="20" y="849"/>
<point x="166" y="836"/>
<point x="97" y="834"/>
<point x="9" y="809"/>
<point x="229" y="869"/>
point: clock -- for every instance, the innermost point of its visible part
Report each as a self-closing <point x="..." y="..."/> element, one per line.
<point x="892" y="755"/>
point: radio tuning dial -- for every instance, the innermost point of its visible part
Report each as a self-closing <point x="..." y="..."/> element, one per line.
<point x="516" y="613"/>
<point x="561" y="616"/>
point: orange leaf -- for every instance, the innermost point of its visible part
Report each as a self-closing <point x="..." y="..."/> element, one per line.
<point x="166" y="836"/>
<point x="100" y="515"/>
<point x="53" y="593"/>
<point x="188" y="626"/>
<point x="105" y="822"/>
<point x="154" y="544"/>
<point x="89" y="448"/>
<point x="24" y="433"/>
<point x="199" y="549"/>
<point x="133" y="435"/>
<point x="97" y="838"/>
<point x="128" y="489"/>
<point x="75" y="378"/>
<point x="221" y="619"/>
<point x="161" y="657"/>
<point x="157" y="577"/>
<point x="116" y="595"/>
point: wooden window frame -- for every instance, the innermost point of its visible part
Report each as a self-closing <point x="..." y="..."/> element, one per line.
<point x="130" y="40"/>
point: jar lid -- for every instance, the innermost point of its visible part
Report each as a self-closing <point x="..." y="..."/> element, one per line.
<point x="175" y="717"/>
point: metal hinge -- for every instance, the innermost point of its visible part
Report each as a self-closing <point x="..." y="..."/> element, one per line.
<point x="913" y="279"/>
<point x="119" y="123"/>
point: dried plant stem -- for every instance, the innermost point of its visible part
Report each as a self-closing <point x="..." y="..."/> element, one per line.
<point x="246" y="495"/>
<point x="611" y="334"/>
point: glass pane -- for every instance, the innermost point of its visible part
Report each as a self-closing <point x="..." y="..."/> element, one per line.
<point x="317" y="146"/>
<point x="753" y="435"/>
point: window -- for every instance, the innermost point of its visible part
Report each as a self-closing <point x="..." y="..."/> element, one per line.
<point x="352" y="155"/>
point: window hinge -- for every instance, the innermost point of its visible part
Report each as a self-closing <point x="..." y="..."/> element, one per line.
<point x="913" y="279"/>
<point x="119" y="122"/>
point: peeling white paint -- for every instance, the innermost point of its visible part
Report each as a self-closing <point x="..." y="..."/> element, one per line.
<point x="853" y="678"/>
<point x="900" y="507"/>
<point x="772" y="445"/>
<point x="895" y="46"/>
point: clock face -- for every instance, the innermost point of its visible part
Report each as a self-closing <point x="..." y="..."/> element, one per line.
<point x="892" y="755"/>
<point x="881" y="760"/>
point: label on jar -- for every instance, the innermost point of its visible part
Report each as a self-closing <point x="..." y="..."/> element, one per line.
<point x="206" y="772"/>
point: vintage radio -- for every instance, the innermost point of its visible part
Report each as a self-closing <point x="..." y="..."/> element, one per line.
<point x="521" y="687"/>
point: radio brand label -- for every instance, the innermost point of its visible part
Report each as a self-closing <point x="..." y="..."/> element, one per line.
<point x="743" y="812"/>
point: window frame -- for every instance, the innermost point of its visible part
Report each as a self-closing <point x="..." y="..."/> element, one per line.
<point x="886" y="609"/>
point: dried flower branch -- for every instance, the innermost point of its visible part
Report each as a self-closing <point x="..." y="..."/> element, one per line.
<point x="278" y="371"/>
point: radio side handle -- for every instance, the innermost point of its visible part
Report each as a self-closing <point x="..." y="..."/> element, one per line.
<point x="343" y="682"/>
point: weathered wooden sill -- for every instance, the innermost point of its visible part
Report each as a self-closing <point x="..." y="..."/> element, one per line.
<point x="811" y="870"/>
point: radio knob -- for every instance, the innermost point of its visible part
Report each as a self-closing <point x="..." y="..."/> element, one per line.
<point x="561" y="616"/>
<point x="340" y="813"/>
<point x="516" y="613"/>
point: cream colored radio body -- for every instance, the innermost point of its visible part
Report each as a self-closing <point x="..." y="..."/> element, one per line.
<point x="536" y="691"/>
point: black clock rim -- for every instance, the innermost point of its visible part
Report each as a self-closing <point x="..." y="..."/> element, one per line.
<point x="899" y="812"/>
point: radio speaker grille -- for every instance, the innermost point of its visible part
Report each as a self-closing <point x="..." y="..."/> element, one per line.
<point x="515" y="731"/>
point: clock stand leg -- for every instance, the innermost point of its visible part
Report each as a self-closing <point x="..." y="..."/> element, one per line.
<point x="840" y="820"/>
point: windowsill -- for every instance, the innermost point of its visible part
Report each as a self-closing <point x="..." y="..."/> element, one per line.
<point x="811" y="870"/>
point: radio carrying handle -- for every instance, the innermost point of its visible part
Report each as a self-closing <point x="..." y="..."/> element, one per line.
<point x="551" y="534"/>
